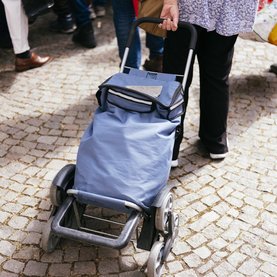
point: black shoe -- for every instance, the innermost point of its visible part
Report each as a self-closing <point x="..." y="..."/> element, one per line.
<point x="84" y="35"/>
<point x="63" y="24"/>
<point x="273" y="68"/>
<point x="155" y="64"/>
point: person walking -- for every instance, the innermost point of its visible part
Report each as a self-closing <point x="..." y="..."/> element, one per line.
<point x="17" y="22"/>
<point x="218" y="24"/>
<point x="124" y="15"/>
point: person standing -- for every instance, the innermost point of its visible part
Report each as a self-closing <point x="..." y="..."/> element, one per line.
<point x="17" y="22"/>
<point x="218" y="24"/>
<point x="66" y="10"/>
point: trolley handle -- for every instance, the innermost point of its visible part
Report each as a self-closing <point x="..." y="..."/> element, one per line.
<point x="181" y="24"/>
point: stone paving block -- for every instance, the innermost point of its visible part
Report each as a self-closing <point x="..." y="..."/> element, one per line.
<point x="108" y="266"/>
<point x="249" y="267"/>
<point x="203" y="252"/>
<point x="224" y="269"/>
<point x="60" y="269"/>
<point x="192" y="260"/>
<point x="127" y="263"/>
<point x="6" y="248"/>
<point x="13" y="266"/>
<point x="34" y="268"/>
<point x="196" y="240"/>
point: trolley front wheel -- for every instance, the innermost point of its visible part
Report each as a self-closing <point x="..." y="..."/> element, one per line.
<point x="155" y="260"/>
<point x="49" y="241"/>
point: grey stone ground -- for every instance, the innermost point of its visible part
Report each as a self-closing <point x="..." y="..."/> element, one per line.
<point x="228" y="209"/>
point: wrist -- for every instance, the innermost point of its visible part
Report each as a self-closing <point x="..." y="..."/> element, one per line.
<point x="170" y="2"/>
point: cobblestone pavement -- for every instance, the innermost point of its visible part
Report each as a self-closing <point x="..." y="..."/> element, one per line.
<point x="228" y="209"/>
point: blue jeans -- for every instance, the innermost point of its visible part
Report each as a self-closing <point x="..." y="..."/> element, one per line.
<point x="124" y="16"/>
<point x="81" y="12"/>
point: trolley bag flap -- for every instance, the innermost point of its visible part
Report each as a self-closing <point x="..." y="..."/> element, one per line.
<point x="142" y="94"/>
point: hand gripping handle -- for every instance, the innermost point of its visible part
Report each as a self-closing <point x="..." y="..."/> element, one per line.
<point x="181" y="24"/>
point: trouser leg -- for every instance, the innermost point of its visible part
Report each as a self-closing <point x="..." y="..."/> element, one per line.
<point x="81" y="12"/>
<point x="175" y="58"/>
<point x="124" y="16"/>
<point x="215" y="56"/>
<point x="62" y="7"/>
<point x="17" y="24"/>
<point x="155" y="45"/>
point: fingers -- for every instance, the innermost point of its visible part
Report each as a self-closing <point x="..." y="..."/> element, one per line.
<point x="169" y="25"/>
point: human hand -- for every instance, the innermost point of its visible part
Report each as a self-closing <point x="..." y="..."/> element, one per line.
<point x="170" y="14"/>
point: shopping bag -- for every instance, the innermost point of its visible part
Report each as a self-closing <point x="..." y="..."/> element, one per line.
<point x="151" y="8"/>
<point x="265" y="26"/>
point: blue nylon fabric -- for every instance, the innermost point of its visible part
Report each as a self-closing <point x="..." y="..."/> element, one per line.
<point x="125" y="155"/>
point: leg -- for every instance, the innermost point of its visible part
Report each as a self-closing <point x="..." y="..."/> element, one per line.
<point x="124" y="16"/>
<point x="18" y="28"/>
<point x="5" y="41"/>
<point x="215" y="56"/>
<point x="84" y="34"/>
<point x="64" y="23"/>
<point x="156" y="47"/>
<point x="99" y="6"/>
<point x="18" y="25"/>
<point x="80" y="11"/>
<point x="61" y="7"/>
<point x="174" y="62"/>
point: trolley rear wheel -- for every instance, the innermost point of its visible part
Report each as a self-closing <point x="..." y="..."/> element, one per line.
<point x="162" y="213"/>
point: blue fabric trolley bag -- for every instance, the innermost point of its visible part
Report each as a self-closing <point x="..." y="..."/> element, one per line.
<point x="126" y="151"/>
<point x="119" y="184"/>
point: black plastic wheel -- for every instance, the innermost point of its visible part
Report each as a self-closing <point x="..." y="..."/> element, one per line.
<point x="63" y="181"/>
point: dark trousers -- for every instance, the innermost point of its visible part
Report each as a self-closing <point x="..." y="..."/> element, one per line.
<point x="79" y="9"/>
<point x="214" y="53"/>
<point x="62" y="7"/>
<point x="5" y="39"/>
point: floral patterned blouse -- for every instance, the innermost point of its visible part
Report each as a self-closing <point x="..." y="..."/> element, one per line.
<point x="227" y="17"/>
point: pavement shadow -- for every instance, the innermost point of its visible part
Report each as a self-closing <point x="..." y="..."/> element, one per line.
<point x="30" y="129"/>
<point x="251" y="98"/>
<point x="7" y="79"/>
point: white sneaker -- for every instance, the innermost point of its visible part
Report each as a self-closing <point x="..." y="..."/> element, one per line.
<point x="218" y="156"/>
<point x="222" y="155"/>
<point x="174" y="163"/>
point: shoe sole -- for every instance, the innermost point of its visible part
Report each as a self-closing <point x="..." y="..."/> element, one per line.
<point x="218" y="156"/>
<point x="69" y="31"/>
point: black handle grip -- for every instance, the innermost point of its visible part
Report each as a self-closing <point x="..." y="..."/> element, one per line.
<point x="181" y="24"/>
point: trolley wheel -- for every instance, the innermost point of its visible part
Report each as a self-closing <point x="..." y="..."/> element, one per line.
<point x="176" y="226"/>
<point x="162" y="213"/>
<point x="49" y="241"/>
<point x="155" y="261"/>
<point x="63" y="181"/>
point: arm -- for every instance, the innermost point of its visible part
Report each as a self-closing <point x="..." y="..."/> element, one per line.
<point x="170" y="13"/>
